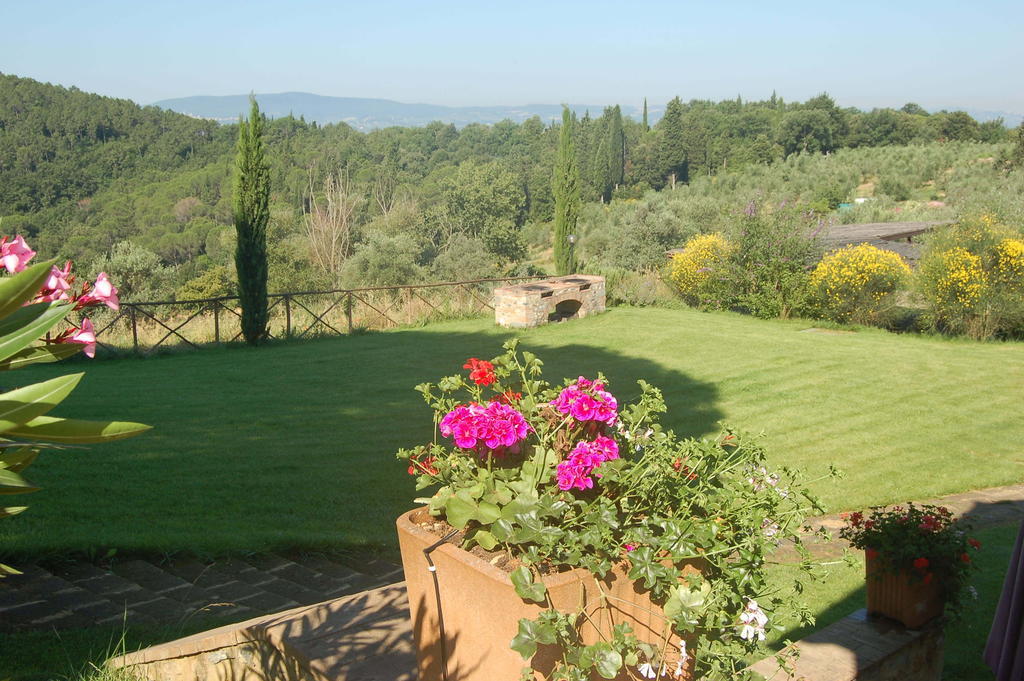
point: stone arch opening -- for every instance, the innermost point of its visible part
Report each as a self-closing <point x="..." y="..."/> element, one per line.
<point x="567" y="309"/>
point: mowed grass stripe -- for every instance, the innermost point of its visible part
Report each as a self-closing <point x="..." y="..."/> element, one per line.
<point x="291" y="446"/>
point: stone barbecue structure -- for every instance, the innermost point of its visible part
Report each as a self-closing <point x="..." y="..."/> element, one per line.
<point x="539" y="302"/>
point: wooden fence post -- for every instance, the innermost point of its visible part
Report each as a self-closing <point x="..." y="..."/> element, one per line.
<point x="216" y="321"/>
<point x="135" y="330"/>
<point x="348" y="312"/>
<point x="287" y="315"/>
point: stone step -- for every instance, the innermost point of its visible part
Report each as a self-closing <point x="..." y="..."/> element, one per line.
<point x="361" y="637"/>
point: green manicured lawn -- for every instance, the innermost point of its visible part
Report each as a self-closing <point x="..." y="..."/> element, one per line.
<point x="291" y="446"/>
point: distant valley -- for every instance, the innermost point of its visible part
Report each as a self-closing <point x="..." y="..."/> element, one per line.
<point x="371" y="114"/>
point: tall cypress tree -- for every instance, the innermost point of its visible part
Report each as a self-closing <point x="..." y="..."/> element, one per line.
<point x="566" y="187"/>
<point x="251" y="212"/>
<point x="616" y="163"/>
<point x="646" y="126"/>
<point x="672" y="157"/>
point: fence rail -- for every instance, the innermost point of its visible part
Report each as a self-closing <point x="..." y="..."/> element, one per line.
<point x="146" y="326"/>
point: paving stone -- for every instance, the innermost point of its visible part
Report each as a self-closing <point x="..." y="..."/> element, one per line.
<point x="266" y="602"/>
<point x="163" y="609"/>
<point x="303" y="576"/>
<point x="268" y="562"/>
<point x="30" y="612"/>
<point x="100" y="610"/>
<point x="293" y="591"/>
<point x="149" y="576"/>
<point x="198" y="574"/>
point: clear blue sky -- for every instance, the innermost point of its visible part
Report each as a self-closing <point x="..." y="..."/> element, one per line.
<point x="938" y="53"/>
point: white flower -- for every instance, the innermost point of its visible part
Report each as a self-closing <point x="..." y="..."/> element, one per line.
<point x="752" y="621"/>
<point x="972" y="592"/>
<point x="647" y="671"/>
<point x="769" y="528"/>
<point x="761" y="478"/>
<point x="682" y="660"/>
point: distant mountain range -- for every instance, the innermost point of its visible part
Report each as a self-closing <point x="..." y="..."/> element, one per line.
<point x="369" y="114"/>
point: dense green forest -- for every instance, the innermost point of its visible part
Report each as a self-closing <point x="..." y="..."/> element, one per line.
<point x="145" y="193"/>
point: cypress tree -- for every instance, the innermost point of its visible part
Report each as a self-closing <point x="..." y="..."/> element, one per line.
<point x="646" y="126"/>
<point x="566" y="187"/>
<point x="672" y="157"/>
<point x="616" y="164"/>
<point x="251" y="211"/>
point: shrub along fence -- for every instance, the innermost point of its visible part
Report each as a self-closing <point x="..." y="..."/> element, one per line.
<point x="146" y="326"/>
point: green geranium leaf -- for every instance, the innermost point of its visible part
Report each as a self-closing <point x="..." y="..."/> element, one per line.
<point x="603" y="658"/>
<point x="486" y="540"/>
<point x="683" y="598"/>
<point x="459" y="510"/>
<point x="530" y="634"/>
<point x="526" y="588"/>
<point x="487" y="513"/>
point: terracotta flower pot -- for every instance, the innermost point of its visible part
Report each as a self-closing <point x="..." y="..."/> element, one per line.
<point x="901" y="596"/>
<point x="481" y="610"/>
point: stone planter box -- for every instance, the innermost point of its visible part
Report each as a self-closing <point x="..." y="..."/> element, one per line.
<point x="896" y="595"/>
<point x="481" y="611"/>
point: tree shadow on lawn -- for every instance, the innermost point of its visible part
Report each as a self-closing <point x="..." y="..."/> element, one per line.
<point x="288" y="447"/>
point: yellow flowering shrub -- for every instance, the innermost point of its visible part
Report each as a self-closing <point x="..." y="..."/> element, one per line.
<point x="959" y="279"/>
<point x="857" y="283"/>
<point x="972" y="278"/>
<point x="1010" y="263"/>
<point x="693" y="270"/>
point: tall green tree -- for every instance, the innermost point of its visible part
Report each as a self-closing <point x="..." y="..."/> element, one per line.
<point x="615" y="165"/>
<point x="646" y="126"/>
<point x="251" y="207"/>
<point x="566" y="187"/>
<point x="671" y="153"/>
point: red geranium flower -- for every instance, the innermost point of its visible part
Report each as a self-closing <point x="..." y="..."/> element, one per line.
<point x="508" y="397"/>
<point x="855" y="518"/>
<point x="416" y="467"/>
<point x="965" y="558"/>
<point x="481" y="371"/>
<point x="974" y="543"/>
<point x="920" y="563"/>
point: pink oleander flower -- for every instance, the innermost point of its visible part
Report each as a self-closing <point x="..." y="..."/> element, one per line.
<point x="86" y="335"/>
<point x="57" y="285"/>
<point x="101" y="292"/>
<point x="15" y="254"/>
<point x="587" y="401"/>
<point x="496" y="426"/>
<point x="576" y="469"/>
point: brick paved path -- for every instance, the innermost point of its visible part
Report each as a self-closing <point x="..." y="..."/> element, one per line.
<point x="140" y="592"/>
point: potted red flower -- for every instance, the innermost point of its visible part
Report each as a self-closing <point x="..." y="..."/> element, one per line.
<point x="917" y="561"/>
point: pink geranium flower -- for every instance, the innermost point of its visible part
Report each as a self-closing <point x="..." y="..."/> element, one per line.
<point x="496" y="427"/>
<point x="585" y="458"/>
<point x="587" y="401"/>
<point x="15" y="254"/>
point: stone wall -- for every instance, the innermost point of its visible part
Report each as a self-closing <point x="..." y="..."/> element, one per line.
<point x="863" y="648"/>
<point x="539" y="302"/>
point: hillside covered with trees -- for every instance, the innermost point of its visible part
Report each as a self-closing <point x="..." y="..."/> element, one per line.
<point x="145" y="193"/>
